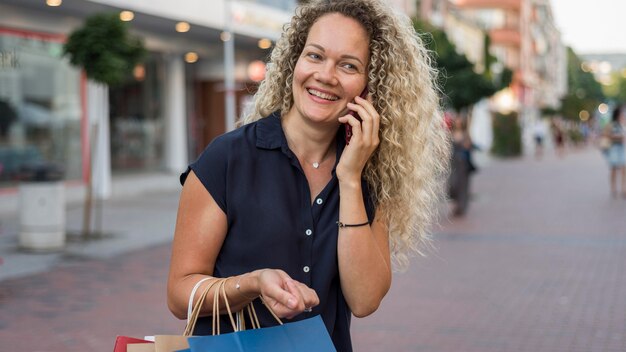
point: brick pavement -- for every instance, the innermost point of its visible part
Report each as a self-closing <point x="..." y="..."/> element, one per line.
<point x="82" y="307"/>
<point x="535" y="266"/>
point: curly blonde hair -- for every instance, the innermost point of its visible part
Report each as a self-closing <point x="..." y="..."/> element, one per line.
<point x="407" y="172"/>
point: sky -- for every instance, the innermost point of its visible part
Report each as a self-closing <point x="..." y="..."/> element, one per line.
<point x="592" y="27"/>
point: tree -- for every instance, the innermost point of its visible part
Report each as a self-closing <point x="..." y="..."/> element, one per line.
<point x="462" y="86"/>
<point x="617" y="89"/>
<point x="104" y="49"/>
<point x="107" y="53"/>
<point x="621" y="90"/>
<point x="583" y="91"/>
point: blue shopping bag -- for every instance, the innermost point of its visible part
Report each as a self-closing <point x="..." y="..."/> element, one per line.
<point x="308" y="335"/>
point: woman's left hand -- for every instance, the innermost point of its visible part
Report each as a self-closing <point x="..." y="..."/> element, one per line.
<point x="364" y="139"/>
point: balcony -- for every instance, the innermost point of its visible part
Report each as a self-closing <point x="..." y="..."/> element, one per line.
<point x="505" y="37"/>
<point x="489" y="4"/>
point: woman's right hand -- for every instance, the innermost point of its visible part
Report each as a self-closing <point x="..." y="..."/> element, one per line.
<point x="284" y="295"/>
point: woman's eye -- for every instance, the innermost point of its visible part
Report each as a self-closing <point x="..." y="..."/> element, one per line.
<point x="314" y="56"/>
<point x="350" y="67"/>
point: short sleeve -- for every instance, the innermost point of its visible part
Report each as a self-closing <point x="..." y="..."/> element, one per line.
<point x="210" y="168"/>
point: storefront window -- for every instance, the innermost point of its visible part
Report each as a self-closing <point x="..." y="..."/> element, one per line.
<point x="40" y="106"/>
<point x="136" y="119"/>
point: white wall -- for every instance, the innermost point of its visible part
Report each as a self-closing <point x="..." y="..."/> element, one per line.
<point x="249" y="18"/>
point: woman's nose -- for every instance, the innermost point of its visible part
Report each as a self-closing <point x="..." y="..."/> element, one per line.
<point x="326" y="74"/>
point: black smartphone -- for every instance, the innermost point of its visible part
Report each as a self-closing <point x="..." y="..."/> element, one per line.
<point x="347" y="126"/>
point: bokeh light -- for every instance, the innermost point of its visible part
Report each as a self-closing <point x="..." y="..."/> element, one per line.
<point x="265" y="43"/>
<point x="583" y="115"/>
<point x="182" y="27"/>
<point x="256" y="70"/>
<point x="127" y="16"/>
<point x="191" y="57"/>
<point x="225" y="36"/>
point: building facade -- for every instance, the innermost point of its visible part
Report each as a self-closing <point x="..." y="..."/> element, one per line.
<point x="523" y="37"/>
<point x="160" y="117"/>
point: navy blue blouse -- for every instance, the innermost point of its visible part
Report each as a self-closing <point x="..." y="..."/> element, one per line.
<point x="259" y="184"/>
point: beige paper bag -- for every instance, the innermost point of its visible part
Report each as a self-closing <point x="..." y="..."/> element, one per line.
<point x="140" y="347"/>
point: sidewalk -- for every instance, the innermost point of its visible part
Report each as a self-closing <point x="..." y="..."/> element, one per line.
<point x="536" y="265"/>
<point x="141" y="213"/>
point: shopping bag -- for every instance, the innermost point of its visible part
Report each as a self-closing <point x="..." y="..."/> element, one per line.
<point x="122" y="343"/>
<point x="308" y="335"/>
<point x="140" y="347"/>
<point x="170" y="343"/>
<point x="305" y="335"/>
<point x="167" y="343"/>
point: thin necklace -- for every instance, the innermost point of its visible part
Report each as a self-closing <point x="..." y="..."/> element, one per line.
<point x="316" y="164"/>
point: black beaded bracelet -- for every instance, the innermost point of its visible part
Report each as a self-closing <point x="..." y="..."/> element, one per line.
<point x="341" y="224"/>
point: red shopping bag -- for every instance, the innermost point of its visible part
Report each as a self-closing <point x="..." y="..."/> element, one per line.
<point x="121" y="343"/>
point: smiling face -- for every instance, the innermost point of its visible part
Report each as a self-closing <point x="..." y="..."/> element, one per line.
<point x="331" y="70"/>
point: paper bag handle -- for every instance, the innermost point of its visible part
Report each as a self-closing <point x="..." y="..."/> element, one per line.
<point x="221" y="289"/>
<point x="193" y="318"/>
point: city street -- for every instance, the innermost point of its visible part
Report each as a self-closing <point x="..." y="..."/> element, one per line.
<point x="536" y="265"/>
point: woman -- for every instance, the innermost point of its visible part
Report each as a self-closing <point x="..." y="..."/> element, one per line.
<point x="614" y="131"/>
<point x="462" y="166"/>
<point x="284" y="208"/>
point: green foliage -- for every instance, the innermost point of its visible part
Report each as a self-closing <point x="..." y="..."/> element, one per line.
<point x="617" y="89"/>
<point x="501" y="80"/>
<point x="505" y="79"/>
<point x="462" y="86"/>
<point x="583" y="91"/>
<point x="507" y="135"/>
<point x="104" y="49"/>
<point x="621" y="90"/>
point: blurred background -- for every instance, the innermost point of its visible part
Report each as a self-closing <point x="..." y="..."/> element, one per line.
<point x="103" y="103"/>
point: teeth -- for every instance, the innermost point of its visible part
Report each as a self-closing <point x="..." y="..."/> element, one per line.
<point x="322" y="95"/>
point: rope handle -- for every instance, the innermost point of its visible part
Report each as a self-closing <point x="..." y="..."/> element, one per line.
<point x="193" y="318"/>
<point x="192" y="295"/>
<point x="221" y="291"/>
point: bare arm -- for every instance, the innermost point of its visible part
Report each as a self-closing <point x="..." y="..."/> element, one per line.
<point x="363" y="252"/>
<point x="201" y="228"/>
<point x="364" y="260"/>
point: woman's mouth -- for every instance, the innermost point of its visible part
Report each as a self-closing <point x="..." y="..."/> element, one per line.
<point x="322" y="95"/>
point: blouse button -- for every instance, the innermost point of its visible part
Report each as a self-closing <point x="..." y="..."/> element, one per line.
<point x="308" y="232"/>
<point x="306" y="269"/>
<point x="319" y="201"/>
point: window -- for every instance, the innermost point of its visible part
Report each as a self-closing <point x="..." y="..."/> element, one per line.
<point x="40" y="106"/>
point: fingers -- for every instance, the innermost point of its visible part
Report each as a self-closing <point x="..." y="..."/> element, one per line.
<point x="367" y="129"/>
<point x="285" y="296"/>
<point x="309" y="297"/>
<point x="273" y="285"/>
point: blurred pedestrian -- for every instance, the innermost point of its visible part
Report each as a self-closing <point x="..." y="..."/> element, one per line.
<point x="284" y="208"/>
<point x="539" y="134"/>
<point x="614" y="131"/>
<point x="559" y="137"/>
<point x="462" y="166"/>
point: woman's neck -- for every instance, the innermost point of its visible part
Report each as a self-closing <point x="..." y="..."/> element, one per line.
<point x="313" y="143"/>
